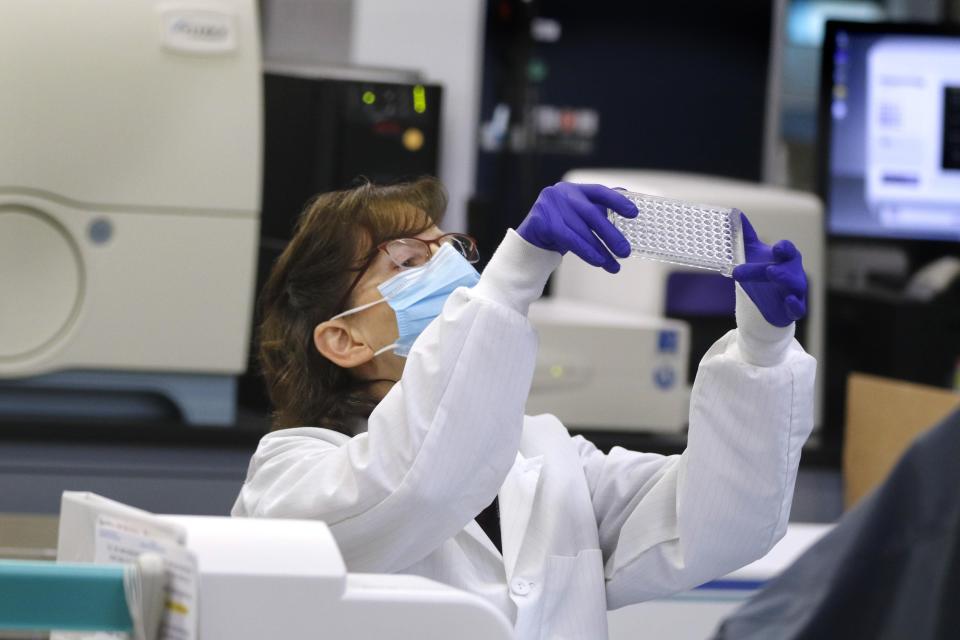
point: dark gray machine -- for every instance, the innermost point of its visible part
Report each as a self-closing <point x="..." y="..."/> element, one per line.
<point x="325" y="128"/>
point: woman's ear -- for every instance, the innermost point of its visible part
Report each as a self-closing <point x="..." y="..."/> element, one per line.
<point x="340" y="345"/>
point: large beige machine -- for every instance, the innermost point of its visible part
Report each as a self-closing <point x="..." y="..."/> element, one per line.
<point x="614" y="349"/>
<point x="129" y="197"/>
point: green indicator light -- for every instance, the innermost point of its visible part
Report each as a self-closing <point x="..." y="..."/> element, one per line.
<point x="369" y="97"/>
<point x="419" y="98"/>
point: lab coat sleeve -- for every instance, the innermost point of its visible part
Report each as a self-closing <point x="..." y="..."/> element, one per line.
<point x="668" y="524"/>
<point x="440" y="443"/>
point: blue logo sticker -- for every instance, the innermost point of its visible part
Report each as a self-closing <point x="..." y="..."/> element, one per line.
<point x="667" y="342"/>
<point x="664" y="377"/>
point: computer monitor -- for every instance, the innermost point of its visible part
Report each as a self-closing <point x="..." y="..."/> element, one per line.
<point x="890" y="131"/>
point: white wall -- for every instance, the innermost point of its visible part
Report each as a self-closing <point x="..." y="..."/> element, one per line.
<point x="444" y="40"/>
<point x="307" y="31"/>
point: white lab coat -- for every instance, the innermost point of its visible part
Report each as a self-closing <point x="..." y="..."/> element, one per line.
<point x="581" y="531"/>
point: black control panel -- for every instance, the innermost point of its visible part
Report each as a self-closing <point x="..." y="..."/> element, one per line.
<point x="323" y="134"/>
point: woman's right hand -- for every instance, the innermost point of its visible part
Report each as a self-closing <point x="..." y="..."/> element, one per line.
<point x="573" y="217"/>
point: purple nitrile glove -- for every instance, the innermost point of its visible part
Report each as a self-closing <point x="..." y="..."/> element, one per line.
<point x="773" y="277"/>
<point x="573" y="217"/>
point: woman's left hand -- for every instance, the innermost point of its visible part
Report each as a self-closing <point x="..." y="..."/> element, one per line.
<point x="773" y="277"/>
<point x="573" y="217"/>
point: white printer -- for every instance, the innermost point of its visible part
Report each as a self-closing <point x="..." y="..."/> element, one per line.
<point x="619" y="352"/>
<point x="129" y="200"/>
<point x="255" y="578"/>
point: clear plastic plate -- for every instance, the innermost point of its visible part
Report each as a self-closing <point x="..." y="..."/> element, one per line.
<point x="694" y="235"/>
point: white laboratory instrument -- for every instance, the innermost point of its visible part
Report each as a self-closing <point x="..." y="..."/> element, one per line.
<point x="129" y="199"/>
<point x="254" y="578"/>
<point x="605" y="376"/>
<point x="604" y="367"/>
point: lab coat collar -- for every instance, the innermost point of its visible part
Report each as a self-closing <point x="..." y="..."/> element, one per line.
<point x="517" y="497"/>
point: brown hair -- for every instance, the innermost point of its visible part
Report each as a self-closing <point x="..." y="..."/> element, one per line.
<point x="335" y="237"/>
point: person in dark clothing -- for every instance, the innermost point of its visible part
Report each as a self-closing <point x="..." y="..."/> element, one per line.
<point x="889" y="570"/>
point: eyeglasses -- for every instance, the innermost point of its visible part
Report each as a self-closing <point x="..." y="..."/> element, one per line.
<point x="408" y="253"/>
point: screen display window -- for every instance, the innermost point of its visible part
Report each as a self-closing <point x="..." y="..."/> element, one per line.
<point x="893" y="161"/>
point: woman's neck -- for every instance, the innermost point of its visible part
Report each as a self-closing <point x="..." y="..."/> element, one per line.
<point x="380" y="388"/>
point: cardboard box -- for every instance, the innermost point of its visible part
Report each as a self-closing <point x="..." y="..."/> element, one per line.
<point x="883" y="417"/>
<point x="28" y="536"/>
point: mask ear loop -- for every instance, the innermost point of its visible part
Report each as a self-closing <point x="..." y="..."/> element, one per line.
<point x="350" y="312"/>
<point x="362" y="307"/>
<point x="384" y="349"/>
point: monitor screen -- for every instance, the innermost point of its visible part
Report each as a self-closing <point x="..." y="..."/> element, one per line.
<point x="890" y="104"/>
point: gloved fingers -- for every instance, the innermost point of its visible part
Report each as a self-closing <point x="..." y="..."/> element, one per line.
<point x="586" y="245"/>
<point x="791" y="279"/>
<point x="749" y="235"/>
<point x="796" y="307"/>
<point x="785" y="251"/>
<point x="591" y="256"/>
<point x="595" y="217"/>
<point x="751" y="272"/>
<point x="609" y="198"/>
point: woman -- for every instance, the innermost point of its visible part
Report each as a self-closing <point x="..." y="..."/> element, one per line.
<point x="400" y="444"/>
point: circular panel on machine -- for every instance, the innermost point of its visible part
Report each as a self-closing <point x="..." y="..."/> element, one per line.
<point x="40" y="281"/>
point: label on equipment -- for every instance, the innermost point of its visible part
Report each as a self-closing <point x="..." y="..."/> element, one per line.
<point x="197" y="30"/>
<point x="664" y="376"/>
<point x="122" y="542"/>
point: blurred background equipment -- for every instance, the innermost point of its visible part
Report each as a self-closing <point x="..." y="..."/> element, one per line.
<point x="441" y="40"/>
<point x="604" y="366"/>
<point x="664" y="296"/>
<point x="327" y="127"/>
<point x="803" y="29"/>
<point x="892" y="166"/>
<point x="889" y="161"/>
<point x="129" y="207"/>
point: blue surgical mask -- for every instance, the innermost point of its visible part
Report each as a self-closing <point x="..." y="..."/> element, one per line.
<point x="417" y="295"/>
